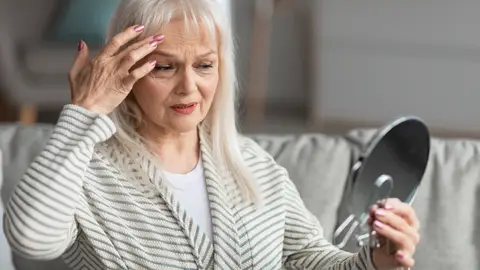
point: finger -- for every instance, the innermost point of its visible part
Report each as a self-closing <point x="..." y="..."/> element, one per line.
<point x="400" y="208"/>
<point x="121" y="39"/>
<point x="404" y="210"/>
<point x="81" y="60"/>
<point x="398" y="223"/>
<point x="401" y="240"/>
<point x="138" y="45"/>
<point x="373" y="208"/>
<point x="133" y="56"/>
<point x="381" y="204"/>
<point x="139" y="73"/>
<point x="404" y="259"/>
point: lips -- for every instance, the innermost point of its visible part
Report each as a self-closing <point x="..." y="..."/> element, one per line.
<point x="184" y="106"/>
<point x="185" y="109"/>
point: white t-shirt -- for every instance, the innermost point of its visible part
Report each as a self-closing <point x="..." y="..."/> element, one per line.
<point x="191" y="191"/>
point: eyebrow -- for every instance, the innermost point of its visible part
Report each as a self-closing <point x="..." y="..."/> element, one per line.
<point x="171" y="55"/>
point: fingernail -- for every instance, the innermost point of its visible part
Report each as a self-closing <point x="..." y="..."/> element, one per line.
<point x="388" y="207"/>
<point x="378" y="224"/>
<point x="380" y="213"/>
<point x="158" y="37"/>
<point x="139" y="28"/>
<point x="153" y="43"/>
<point x="399" y="255"/>
<point x="80" y="45"/>
<point x="153" y="62"/>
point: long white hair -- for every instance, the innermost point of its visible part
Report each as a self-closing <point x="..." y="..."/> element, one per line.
<point x="221" y="119"/>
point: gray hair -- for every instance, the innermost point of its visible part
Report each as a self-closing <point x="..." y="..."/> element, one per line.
<point x="221" y="119"/>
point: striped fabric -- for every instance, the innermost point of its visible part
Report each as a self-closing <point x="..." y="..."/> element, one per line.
<point x="85" y="200"/>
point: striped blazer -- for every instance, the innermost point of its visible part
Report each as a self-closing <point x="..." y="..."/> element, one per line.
<point x="84" y="199"/>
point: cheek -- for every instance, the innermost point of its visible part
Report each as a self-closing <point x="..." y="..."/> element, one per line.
<point x="149" y="94"/>
<point x="209" y="88"/>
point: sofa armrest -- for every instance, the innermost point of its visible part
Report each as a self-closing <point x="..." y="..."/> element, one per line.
<point x="19" y="145"/>
<point x="5" y="252"/>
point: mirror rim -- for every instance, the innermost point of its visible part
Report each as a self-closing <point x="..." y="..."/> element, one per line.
<point x="370" y="147"/>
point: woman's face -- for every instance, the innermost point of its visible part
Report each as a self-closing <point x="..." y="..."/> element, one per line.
<point x="178" y="93"/>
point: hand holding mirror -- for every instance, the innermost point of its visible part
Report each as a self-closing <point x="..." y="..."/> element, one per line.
<point x="390" y="166"/>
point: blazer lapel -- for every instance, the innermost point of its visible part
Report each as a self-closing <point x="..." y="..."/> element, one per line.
<point x="225" y="234"/>
<point x="202" y="246"/>
<point x="146" y="172"/>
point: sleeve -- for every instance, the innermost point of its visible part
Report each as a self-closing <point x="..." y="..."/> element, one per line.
<point x="39" y="220"/>
<point x="304" y="244"/>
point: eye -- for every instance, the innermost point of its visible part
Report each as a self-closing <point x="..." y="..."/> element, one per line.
<point x="205" y="66"/>
<point x="163" y="67"/>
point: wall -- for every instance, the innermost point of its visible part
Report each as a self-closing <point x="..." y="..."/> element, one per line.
<point x="383" y="59"/>
<point x="377" y="60"/>
<point x="287" y="74"/>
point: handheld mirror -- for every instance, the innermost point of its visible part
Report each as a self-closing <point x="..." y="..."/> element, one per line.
<point x="391" y="166"/>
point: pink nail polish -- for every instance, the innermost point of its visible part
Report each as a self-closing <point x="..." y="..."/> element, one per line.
<point x="139" y="28"/>
<point x="80" y="45"/>
<point x="378" y="224"/>
<point x="399" y="255"/>
<point x="388" y="207"/>
<point x="153" y="62"/>
<point x="158" y="37"/>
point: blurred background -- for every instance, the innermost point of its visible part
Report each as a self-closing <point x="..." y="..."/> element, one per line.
<point x="304" y="65"/>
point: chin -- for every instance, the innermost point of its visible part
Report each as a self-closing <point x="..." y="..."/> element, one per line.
<point x="184" y="126"/>
<point x="184" y="123"/>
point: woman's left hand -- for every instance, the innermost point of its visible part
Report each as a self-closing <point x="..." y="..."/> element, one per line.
<point x="398" y="223"/>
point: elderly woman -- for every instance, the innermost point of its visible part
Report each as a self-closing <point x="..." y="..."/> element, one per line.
<point x="145" y="168"/>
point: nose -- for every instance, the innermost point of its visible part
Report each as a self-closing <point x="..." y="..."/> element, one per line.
<point x="187" y="82"/>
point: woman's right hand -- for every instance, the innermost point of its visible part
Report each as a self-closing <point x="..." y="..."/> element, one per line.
<point x="101" y="84"/>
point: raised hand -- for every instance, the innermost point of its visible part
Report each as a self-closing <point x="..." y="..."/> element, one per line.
<point x="101" y="84"/>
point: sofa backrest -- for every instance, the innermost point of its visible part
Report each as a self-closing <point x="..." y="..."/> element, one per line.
<point x="316" y="163"/>
<point x="446" y="203"/>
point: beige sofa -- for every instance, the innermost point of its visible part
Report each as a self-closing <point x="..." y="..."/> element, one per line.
<point x="446" y="203"/>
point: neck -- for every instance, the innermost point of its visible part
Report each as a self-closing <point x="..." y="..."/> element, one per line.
<point x="178" y="151"/>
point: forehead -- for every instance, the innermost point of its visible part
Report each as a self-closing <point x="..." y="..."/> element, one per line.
<point x="184" y="34"/>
